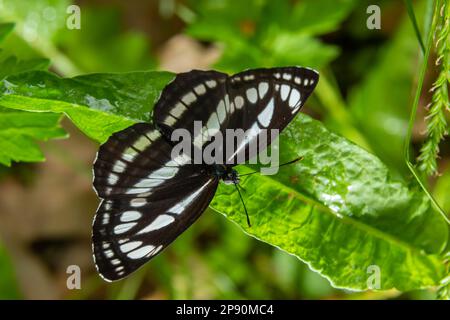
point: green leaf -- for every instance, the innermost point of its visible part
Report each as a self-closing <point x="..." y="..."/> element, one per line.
<point x="9" y="288"/>
<point x="19" y="132"/>
<point x="103" y="41"/>
<point x="321" y="16"/>
<point x="381" y="103"/>
<point x="338" y="209"/>
<point x="93" y="102"/>
<point x="5" y="29"/>
<point x="441" y="189"/>
<point x="12" y="66"/>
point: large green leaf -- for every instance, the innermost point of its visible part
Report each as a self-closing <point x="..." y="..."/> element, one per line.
<point x="321" y="16"/>
<point x="268" y="33"/>
<point x="338" y="209"/>
<point x="19" y="132"/>
<point x="5" y="29"/>
<point x="99" y="104"/>
<point x="341" y="212"/>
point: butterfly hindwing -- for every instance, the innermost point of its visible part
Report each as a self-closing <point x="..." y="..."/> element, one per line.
<point x="148" y="199"/>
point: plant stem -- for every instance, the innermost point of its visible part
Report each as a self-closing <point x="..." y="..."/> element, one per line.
<point x="412" y="119"/>
<point x="412" y="17"/>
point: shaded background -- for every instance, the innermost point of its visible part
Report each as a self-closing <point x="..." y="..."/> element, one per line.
<point x="46" y="209"/>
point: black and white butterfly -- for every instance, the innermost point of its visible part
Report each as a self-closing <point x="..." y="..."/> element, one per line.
<point x="148" y="197"/>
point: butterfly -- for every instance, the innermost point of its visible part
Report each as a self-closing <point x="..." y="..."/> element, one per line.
<point x="148" y="196"/>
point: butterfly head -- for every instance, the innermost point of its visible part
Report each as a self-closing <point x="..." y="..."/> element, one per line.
<point x="227" y="174"/>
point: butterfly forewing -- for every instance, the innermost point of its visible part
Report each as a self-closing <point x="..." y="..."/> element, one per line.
<point x="192" y="96"/>
<point x="148" y="199"/>
<point x="265" y="99"/>
<point x="252" y="101"/>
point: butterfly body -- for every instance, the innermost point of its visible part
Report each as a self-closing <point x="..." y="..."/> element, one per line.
<point x="149" y="195"/>
<point x="225" y="173"/>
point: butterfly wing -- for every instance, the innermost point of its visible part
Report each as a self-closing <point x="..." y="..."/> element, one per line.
<point x="265" y="99"/>
<point x="192" y="96"/>
<point x="250" y="101"/>
<point x="148" y="198"/>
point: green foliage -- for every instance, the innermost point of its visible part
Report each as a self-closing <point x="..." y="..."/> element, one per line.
<point x="104" y="44"/>
<point x="380" y="112"/>
<point x="93" y="102"/>
<point x="338" y="200"/>
<point x="269" y="33"/>
<point x="20" y="130"/>
<point x="339" y="209"/>
<point x="437" y="125"/>
<point x="8" y="285"/>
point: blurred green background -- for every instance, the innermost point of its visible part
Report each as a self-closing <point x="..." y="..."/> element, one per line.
<point x="365" y="94"/>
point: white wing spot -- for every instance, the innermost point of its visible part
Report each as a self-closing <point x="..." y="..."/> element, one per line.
<point x="221" y="113"/>
<point x="160" y="222"/>
<point x="142" y="143"/>
<point x="119" y="166"/>
<point x="213" y="122"/>
<point x="130" y="246"/>
<point x="277" y="75"/>
<point x="287" y="76"/>
<point x="180" y="206"/>
<point x="189" y="98"/>
<point x="155" y="134"/>
<point x="158" y="249"/>
<point x="138" y="202"/>
<point x="305" y="82"/>
<point x="108" y="205"/>
<point x="238" y="102"/>
<point x="105" y="218"/>
<point x="113" y="178"/>
<point x="249" y="77"/>
<point x="297" y="80"/>
<point x="115" y="262"/>
<point x="124" y="227"/>
<point x="294" y="98"/>
<point x="211" y="83"/>
<point x="252" y="95"/>
<point x="178" y="110"/>
<point x="169" y="120"/>
<point x="141" y="252"/>
<point x="266" y="115"/>
<point x="129" y="154"/>
<point x="130" y="215"/>
<point x="200" y="89"/>
<point x="285" y="91"/>
<point x="263" y="87"/>
<point x="108" y="253"/>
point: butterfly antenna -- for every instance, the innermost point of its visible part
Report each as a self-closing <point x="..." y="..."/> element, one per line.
<point x="245" y="208"/>
<point x="281" y="165"/>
